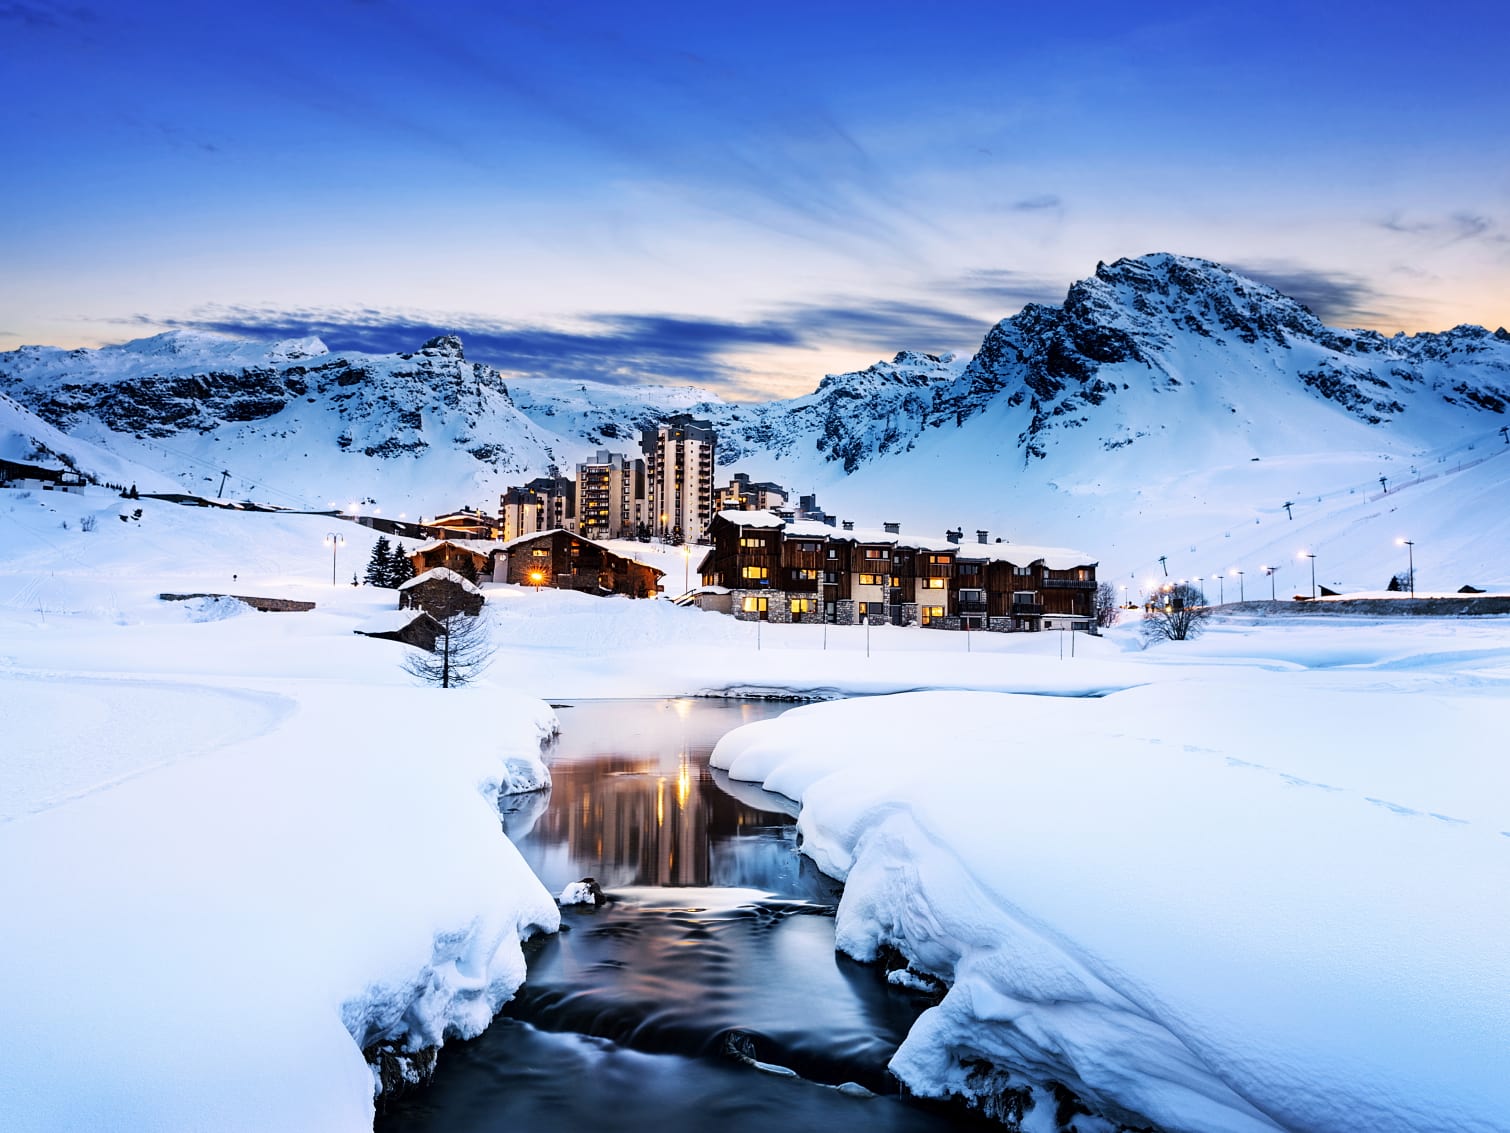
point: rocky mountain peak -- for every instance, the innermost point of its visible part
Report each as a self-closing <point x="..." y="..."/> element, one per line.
<point x="443" y="346"/>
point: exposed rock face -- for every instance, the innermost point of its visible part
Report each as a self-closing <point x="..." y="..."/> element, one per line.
<point x="1158" y="323"/>
<point x="1141" y="342"/>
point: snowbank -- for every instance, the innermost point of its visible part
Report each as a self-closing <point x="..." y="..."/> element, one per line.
<point x="1221" y="908"/>
<point x="238" y="850"/>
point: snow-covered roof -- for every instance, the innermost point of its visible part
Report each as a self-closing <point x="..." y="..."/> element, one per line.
<point x="518" y="539"/>
<point x="1019" y="554"/>
<point x="443" y="574"/>
<point x="483" y="547"/>
<point x="1025" y="554"/>
<point x="389" y="621"/>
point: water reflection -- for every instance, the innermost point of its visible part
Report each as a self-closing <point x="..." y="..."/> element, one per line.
<point x="713" y="958"/>
<point x="634" y="803"/>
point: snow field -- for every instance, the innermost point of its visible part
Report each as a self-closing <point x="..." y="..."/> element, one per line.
<point x="238" y="849"/>
<point x="1229" y="905"/>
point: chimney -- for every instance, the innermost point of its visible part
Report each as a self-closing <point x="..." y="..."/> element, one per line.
<point x="849" y="525"/>
<point x="981" y="536"/>
<point x="892" y="528"/>
<point x="954" y="536"/>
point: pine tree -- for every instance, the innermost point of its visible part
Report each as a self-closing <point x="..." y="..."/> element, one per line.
<point x="400" y="567"/>
<point x="380" y="565"/>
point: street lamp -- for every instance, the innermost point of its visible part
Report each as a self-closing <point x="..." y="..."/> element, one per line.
<point x="1270" y="572"/>
<point x="1242" y="595"/>
<point x="686" y="567"/>
<point x="537" y="578"/>
<point x="1221" y="587"/>
<point x="1308" y="555"/>
<point x="1410" y="547"/>
<point x="334" y="542"/>
<point x="1200" y="589"/>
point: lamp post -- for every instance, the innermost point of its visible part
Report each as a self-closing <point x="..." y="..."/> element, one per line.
<point x="334" y="542"/>
<point x="686" y="567"/>
<point x="1200" y="589"/>
<point x="1308" y="555"/>
<point x="1221" y="588"/>
<point x="1242" y="595"/>
<point x="537" y="578"/>
<point x="1270" y="572"/>
<point x="1410" y="547"/>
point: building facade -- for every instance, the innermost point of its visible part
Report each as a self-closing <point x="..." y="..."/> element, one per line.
<point x="564" y="560"/>
<point x="798" y="571"/>
<point x="544" y="504"/>
<point x="744" y="494"/>
<point x="611" y="497"/>
<point x="679" y="457"/>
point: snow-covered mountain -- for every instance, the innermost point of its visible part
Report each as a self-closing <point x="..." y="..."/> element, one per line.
<point x="1169" y="407"/>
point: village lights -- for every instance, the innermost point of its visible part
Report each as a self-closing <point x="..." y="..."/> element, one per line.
<point x="1308" y="555"/>
<point x="537" y="578"/>
<point x="1410" y="547"/>
<point x="334" y="542"/>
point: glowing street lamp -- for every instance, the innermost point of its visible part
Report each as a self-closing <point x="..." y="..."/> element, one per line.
<point x="1309" y="555"/>
<point x="1241" y="593"/>
<point x="537" y="578"/>
<point x="1410" y="546"/>
<point x="334" y="542"/>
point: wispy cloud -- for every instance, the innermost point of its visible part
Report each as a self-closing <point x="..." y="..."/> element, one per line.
<point x="617" y="349"/>
<point x="1005" y="288"/>
<point x="1037" y="203"/>
<point x="1454" y="228"/>
<point x="1335" y="297"/>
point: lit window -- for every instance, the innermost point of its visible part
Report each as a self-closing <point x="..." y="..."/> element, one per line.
<point x="752" y="541"/>
<point x="931" y="612"/>
<point x="755" y="572"/>
<point x="938" y="559"/>
<point x="871" y="579"/>
<point x="810" y="575"/>
<point x="802" y="605"/>
<point x="877" y="553"/>
<point x="754" y="604"/>
<point x="934" y="583"/>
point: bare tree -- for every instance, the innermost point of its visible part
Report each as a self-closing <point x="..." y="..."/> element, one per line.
<point x="462" y="651"/>
<point x="1107" y="610"/>
<point x="1177" y="614"/>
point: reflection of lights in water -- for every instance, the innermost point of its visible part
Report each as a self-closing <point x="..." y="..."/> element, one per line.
<point x="683" y="783"/>
<point x="682" y="707"/>
<point x="660" y="801"/>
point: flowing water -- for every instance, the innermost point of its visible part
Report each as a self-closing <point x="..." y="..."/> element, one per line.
<point x="706" y="993"/>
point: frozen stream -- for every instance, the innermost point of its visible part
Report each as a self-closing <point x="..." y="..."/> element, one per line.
<point x="707" y="992"/>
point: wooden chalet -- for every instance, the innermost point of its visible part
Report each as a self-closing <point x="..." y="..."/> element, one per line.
<point x="441" y="593"/>
<point x="794" y="571"/>
<point x="470" y="558"/>
<point x="567" y="561"/>
<point x="467" y="523"/>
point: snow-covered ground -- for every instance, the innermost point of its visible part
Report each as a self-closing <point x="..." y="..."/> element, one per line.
<point x="1247" y="883"/>
<point x="1262" y="890"/>
<point x="239" y="846"/>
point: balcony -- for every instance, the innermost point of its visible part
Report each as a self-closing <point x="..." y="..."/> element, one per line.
<point x="972" y="605"/>
<point x="1068" y="584"/>
<point x="1027" y="609"/>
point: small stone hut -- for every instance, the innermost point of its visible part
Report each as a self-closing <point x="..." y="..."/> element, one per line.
<point x="440" y="592"/>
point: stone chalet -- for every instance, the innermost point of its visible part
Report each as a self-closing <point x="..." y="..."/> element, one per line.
<point x="470" y="558"/>
<point x="440" y="592"/>
<point x="798" y="571"/>
<point x="567" y="561"/>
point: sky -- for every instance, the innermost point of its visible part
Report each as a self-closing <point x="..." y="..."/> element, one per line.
<point x="740" y="196"/>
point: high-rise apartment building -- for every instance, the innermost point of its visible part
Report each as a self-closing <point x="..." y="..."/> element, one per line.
<point x="679" y="477"/>
<point x="611" y="499"/>
<point x="544" y="504"/>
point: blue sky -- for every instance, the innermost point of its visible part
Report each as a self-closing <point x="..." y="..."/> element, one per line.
<point x="747" y="196"/>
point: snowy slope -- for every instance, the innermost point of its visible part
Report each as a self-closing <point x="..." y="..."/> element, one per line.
<point x="1169" y="407"/>
<point x="27" y="439"/>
